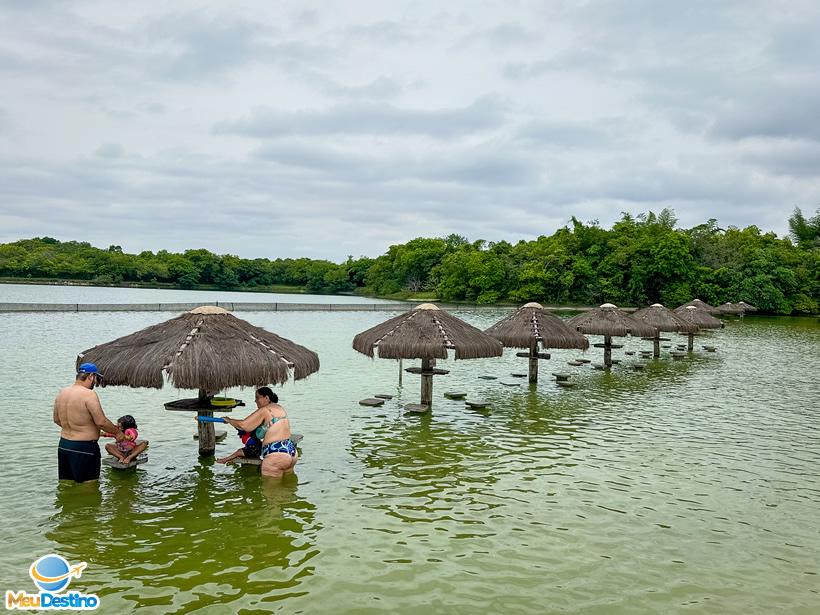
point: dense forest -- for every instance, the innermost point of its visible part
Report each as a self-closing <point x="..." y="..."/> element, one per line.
<point x="640" y="260"/>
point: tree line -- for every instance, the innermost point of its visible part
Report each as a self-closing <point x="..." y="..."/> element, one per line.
<point x="640" y="260"/>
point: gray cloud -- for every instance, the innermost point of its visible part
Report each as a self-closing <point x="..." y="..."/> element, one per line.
<point x="369" y="119"/>
<point x="109" y="150"/>
<point x="600" y="134"/>
<point x="383" y="32"/>
<point x="783" y="112"/>
<point x="787" y="157"/>
<point x="351" y="128"/>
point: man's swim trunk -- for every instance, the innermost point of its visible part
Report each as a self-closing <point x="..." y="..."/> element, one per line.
<point x="78" y="460"/>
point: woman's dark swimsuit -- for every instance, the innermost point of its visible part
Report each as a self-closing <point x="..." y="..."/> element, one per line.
<point x="280" y="446"/>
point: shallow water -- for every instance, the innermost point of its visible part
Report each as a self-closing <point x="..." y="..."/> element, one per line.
<point x="692" y="486"/>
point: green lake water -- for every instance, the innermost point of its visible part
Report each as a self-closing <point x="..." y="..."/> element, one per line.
<point x="691" y="486"/>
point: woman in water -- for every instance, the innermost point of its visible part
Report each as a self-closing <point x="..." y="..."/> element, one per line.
<point x="272" y="427"/>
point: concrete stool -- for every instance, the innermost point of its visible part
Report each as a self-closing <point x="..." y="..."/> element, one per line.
<point x="417" y="408"/>
<point x="113" y="462"/>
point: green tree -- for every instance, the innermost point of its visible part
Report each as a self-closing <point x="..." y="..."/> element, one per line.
<point x="806" y="233"/>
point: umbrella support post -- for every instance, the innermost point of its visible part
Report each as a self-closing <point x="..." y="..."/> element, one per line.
<point x="656" y="347"/>
<point x="427" y="381"/>
<point x="691" y="345"/>
<point x="205" y="431"/>
<point x="400" y="371"/>
<point x="608" y="351"/>
<point x="533" y="359"/>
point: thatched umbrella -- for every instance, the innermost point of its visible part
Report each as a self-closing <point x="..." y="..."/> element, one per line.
<point x="700" y="318"/>
<point x="207" y="349"/>
<point x="701" y="305"/>
<point x="731" y="308"/>
<point x="608" y="320"/>
<point x="662" y="319"/>
<point x="748" y="307"/>
<point x="531" y="324"/>
<point x="427" y="333"/>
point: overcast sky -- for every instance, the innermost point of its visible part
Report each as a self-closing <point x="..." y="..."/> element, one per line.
<point x="323" y="129"/>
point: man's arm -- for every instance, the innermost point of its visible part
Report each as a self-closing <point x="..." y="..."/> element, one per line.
<point x="56" y="414"/>
<point x="100" y="420"/>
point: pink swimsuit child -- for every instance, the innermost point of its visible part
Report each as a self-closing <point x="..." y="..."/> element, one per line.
<point x="126" y="446"/>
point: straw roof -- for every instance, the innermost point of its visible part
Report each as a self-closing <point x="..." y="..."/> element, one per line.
<point x="701" y="305"/>
<point x="663" y="319"/>
<point x="746" y="306"/>
<point x="532" y="321"/>
<point x="609" y="320"/>
<point x="426" y="332"/>
<point x="701" y="318"/>
<point x="730" y="308"/>
<point x="207" y="348"/>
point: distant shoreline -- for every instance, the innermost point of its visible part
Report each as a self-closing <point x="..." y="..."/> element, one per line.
<point x="404" y="297"/>
<point x="288" y="290"/>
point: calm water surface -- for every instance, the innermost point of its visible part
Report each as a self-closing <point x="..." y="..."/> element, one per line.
<point x="693" y="486"/>
<point x="33" y="293"/>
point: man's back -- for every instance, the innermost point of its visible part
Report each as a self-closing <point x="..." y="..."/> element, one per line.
<point x="74" y="408"/>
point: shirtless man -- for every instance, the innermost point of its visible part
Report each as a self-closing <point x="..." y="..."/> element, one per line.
<point x="78" y="412"/>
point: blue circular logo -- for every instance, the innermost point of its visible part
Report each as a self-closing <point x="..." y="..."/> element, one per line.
<point x="51" y="573"/>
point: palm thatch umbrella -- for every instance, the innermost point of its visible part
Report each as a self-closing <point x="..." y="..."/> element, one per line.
<point x="531" y="324"/>
<point x="662" y="319"/>
<point x="427" y="333"/>
<point x="731" y="308"/>
<point x="208" y="349"/>
<point x="700" y="318"/>
<point x="748" y="307"/>
<point x="701" y="305"/>
<point x="608" y="320"/>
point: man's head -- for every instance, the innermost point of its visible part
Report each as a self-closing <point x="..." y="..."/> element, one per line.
<point x="88" y="375"/>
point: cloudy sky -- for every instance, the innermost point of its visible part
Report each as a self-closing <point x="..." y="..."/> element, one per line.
<point x="324" y="129"/>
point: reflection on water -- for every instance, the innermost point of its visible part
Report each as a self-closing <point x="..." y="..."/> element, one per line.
<point x="195" y="540"/>
<point x="690" y="486"/>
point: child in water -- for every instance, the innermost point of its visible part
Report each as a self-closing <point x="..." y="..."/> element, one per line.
<point x="251" y="450"/>
<point x="127" y="449"/>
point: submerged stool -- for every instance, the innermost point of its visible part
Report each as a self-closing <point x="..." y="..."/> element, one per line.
<point x="566" y="383"/>
<point x="115" y="463"/>
<point x="455" y="395"/>
<point x="561" y="376"/>
<point x="417" y="408"/>
<point x="373" y="402"/>
<point x="477" y="404"/>
<point x="383" y="396"/>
